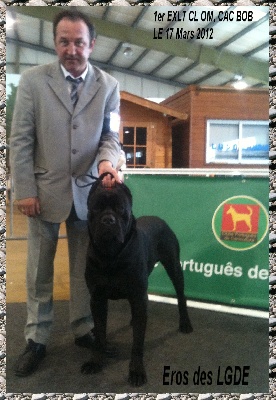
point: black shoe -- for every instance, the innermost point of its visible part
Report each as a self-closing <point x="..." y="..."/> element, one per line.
<point x="88" y="341"/>
<point x="28" y="361"/>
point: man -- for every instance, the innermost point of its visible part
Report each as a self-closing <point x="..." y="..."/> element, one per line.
<point x="60" y="131"/>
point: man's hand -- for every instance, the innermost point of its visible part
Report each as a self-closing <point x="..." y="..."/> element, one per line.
<point x="29" y="206"/>
<point x="108" y="180"/>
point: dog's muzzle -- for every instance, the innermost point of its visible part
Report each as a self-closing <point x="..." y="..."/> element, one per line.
<point x="108" y="220"/>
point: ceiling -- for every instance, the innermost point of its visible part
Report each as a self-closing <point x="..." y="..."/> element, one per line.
<point x="237" y="49"/>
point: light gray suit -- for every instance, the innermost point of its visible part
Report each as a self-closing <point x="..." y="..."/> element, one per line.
<point x="51" y="144"/>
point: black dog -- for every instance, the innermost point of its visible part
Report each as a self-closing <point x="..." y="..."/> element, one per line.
<point x="121" y="255"/>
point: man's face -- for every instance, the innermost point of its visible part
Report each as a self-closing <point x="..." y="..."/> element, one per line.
<point x="72" y="44"/>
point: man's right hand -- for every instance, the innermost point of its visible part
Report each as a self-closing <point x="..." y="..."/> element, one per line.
<point x="29" y="206"/>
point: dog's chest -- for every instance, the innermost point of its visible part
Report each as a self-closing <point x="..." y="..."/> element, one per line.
<point x="118" y="280"/>
<point x="118" y="286"/>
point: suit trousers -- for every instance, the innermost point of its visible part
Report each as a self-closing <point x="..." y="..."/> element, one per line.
<point x="42" y="245"/>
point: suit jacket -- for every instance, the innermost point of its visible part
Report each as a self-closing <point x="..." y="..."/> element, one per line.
<point x="52" y="143"/>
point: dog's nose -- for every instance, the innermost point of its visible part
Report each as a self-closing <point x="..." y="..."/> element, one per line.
<point x="108" y="219"/>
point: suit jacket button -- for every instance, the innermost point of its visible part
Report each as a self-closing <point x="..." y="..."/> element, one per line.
<point x="75" y="126"/>
<point x="74" y="151"/>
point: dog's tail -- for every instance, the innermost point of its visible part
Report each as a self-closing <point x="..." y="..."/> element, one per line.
<point x="250" y="210"/>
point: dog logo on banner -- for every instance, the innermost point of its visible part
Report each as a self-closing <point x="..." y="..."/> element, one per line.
<point x="240" y="223"/>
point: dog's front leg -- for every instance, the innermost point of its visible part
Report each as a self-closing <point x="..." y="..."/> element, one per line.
<point x="99" y="309"/>
<point x="137" y="373"/>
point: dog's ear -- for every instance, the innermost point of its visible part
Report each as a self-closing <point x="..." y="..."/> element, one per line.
<point x="127" y="191"/>
<point x="94" y="187"/>
<point x="117" y="185"/>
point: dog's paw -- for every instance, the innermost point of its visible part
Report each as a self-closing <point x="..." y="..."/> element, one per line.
<point x="137" y="378"/>
<point x="185" y="327"/>
<point x="137" y="373"/>
<point x="91" y="367"/>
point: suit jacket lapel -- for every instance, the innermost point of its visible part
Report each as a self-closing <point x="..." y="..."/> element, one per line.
<point x="57" y="83"/>
<point x="89" y="90"/>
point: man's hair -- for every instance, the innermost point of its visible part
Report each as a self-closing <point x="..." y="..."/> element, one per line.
<point x="74" y="15"/>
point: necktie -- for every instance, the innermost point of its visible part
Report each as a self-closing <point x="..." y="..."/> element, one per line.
<point x="74" y="90"/>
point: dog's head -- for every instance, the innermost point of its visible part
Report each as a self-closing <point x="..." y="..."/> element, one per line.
<point x="110" y="218"/>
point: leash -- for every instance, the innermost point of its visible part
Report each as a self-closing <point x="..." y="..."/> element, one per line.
<point x="93" y="178"/>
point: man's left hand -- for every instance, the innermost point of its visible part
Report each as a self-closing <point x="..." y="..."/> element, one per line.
<point x="108" y="180"/>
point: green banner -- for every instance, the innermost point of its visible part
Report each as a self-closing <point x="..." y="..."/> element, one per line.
<point x="222" y="225"/>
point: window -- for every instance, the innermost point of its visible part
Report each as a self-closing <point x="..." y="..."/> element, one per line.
<point x="135" y="146"/>
<point x="237" y="142"/>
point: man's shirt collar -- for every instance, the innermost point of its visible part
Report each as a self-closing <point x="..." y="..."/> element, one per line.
<point x="66" y="73"/>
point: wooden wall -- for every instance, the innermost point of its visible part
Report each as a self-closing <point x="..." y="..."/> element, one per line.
<point x="159" y="142"/>
<point x="203" y="103"/>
